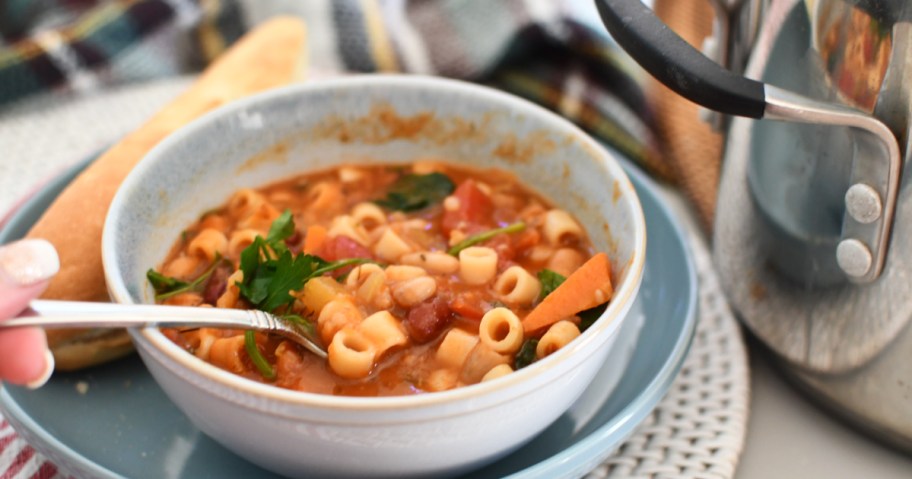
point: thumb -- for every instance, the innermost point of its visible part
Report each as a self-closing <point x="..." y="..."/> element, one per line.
<point x="25" y="268"/>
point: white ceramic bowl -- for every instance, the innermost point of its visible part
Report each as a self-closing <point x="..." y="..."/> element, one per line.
<point x="370" y="119"/>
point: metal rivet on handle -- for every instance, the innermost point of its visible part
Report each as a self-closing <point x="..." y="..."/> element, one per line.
<point x="854" y="257"/>
<point x="863" y="203"/>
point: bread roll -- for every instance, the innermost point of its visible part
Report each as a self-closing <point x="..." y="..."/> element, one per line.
<point x="271" y="55"/>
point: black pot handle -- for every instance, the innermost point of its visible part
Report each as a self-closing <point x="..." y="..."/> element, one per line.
<point x="862" y="250"/>
<point x="672" y="61"/>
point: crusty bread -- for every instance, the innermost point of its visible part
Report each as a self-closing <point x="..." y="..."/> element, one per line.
<point x="271" y="55"/>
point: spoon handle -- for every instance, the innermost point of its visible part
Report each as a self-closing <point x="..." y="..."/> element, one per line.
<point x="79" y="314"/>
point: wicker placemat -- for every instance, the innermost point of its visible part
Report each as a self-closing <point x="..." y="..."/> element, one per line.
<point x="696" y="431"/>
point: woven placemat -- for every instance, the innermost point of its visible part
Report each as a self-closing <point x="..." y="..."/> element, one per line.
<point x="696" y="431"/>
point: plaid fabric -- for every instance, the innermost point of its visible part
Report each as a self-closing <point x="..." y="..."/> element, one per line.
<point x="542" y="50"/>
<point x="84" y="45"/>
<point x="535" y="49"/>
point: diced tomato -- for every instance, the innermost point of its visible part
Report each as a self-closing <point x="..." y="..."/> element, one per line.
<point x="475" y="208"/>
<point x="467" y="304"/>
<point x="427" y="320"/>
<point x="343" y="247"/>
<point x="528" y="238"/>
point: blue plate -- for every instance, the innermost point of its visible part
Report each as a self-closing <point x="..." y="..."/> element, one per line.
<point x="114" y="420"/>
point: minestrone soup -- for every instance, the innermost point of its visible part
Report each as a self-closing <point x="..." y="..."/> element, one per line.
<point x="414" y="278"/>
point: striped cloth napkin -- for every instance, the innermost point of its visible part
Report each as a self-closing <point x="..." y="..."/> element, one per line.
<point x="550" y="52"/>
<point x="19" y="461"/>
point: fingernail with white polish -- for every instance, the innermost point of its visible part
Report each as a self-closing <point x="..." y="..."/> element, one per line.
<point x="48" y="370"/>
<point x="28" y="261"/>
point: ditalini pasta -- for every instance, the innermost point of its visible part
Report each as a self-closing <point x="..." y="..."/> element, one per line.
<point x="414" y="278"/>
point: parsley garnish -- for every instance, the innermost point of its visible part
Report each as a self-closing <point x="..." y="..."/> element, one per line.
<point x="271" y="272"/>
<point x="164" y="284"/>
<point x="549" y="282"/>
<point x="484" y="236"/>
<point x="415" y="192"/>
<point x="167" y="287"/>
<point x="281" y="229"/>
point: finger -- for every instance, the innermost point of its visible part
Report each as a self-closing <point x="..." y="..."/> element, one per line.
<point x="25" y="359"/>
<point x="14" y="298"/>
<point x="25" y="268"/>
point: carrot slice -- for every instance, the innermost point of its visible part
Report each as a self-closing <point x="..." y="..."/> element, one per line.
<point x="587" y="287"/>
<point x="314" y="239"/>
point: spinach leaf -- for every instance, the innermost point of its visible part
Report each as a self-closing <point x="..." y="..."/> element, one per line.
<point x="589" y="316"/>
<point x="415" y="192"/>
<point x="526" y="354"/>
<point x="549" y="282"/>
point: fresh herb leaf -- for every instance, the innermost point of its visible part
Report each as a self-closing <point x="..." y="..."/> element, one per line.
<point x="415" y="192"/>
<point x="291" y="273"/>
<point x="256" y="357"/>
<point x="267" y="283"/>
<point x="332" y="266"/>
<point x="271" y="273"/>
<point x="526" y="354"/>
<point x="281" y="229"/>
<point x="269" y="278"/>
<point x="163" y="284"/>
<point x="251" y="259"/>
<point x="484" y="236"/>
<point x="549" y="282"/>
<point x="167" y="287"/>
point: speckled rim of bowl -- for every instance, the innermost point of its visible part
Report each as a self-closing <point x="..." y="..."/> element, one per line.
<point x="602" y="330"/>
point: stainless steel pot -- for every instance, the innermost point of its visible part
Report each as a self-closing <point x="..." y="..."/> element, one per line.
<point x="813" y="231"/>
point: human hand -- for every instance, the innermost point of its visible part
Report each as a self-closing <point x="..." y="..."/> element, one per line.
<point x="25" y="269"/>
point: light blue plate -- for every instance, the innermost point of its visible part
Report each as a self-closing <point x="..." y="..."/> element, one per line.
<point x="123" y="425"/>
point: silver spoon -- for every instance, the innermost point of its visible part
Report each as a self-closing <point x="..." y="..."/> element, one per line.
<point x="78" y="314"/>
